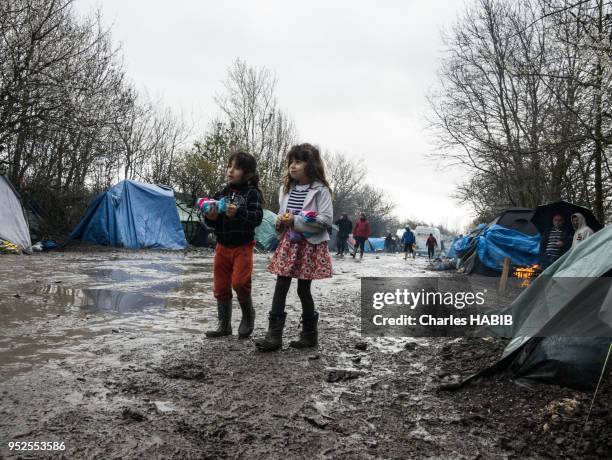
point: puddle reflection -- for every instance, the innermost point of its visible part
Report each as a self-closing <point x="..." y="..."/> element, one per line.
<point x="109" y="300"/>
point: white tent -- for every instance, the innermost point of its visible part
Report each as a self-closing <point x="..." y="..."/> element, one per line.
<point x="13" y="224"/>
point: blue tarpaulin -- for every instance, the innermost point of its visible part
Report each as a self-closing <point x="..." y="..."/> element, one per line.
<point x="497" y="242"/>
<point x="371" y="245"/>
<point x="133" y="215"/>
<point x="461" y="245"/>
<point x="375" y="245"/>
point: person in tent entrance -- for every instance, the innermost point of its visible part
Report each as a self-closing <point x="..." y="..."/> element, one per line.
<point x="234" y="213"/>
<point x="305" y="213"/>
<point x="431" y="244"/>
<point x="361" y="233"/>
<point x="582" y="230"/>
<point x="345" y="226"/>
<point x="555" y="242"/>
<point x="408" y="240"/>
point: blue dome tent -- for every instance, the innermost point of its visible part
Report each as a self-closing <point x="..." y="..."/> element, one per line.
<point x="133" y="215"/>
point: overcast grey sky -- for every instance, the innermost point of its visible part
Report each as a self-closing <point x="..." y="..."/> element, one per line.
<point x="353" y="75"/>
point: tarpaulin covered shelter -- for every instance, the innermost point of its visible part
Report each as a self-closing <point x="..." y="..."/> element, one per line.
<point x="461" y="245"/>
<point x="563" y="321"/>
<point x="510" y="235"/>
<point x="133" y="215"/>
<point x="14" y="231"/>
<point x="497" y="243"/>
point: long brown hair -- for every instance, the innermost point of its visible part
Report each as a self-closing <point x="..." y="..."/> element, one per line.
<point x="248" y="164"/>
<point x="309" y="154"/>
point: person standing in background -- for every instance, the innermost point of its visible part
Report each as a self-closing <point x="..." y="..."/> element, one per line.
<point x="408" y="239"/>
<point x="582" y="230"/>
<point x="344" y="230"/>
<point x="361" y="233"/>
<point x="431" y="244"/>
<point x="555" y="242"/>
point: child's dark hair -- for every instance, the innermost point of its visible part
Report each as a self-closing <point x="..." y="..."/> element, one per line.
<point x="309" y="154"/>
<point x="248" y="163"/>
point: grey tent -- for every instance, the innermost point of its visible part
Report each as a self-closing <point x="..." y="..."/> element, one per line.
<point x="13" y="223"/>
<point x="563" y="321"/>
<point x="517" y="219"/>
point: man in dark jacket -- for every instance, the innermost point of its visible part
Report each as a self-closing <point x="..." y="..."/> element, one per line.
<point x="345" y="226"/>
<point x="431" y="244"/>
<point x="555" y="242"/>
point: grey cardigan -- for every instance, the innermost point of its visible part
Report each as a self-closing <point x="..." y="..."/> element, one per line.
<point x="317" y="199"/>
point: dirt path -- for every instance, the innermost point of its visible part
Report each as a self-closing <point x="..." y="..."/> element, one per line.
<point x="104" y="351"/>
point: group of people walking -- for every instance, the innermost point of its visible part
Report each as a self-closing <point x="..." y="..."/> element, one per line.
<point x="361" y="233"/>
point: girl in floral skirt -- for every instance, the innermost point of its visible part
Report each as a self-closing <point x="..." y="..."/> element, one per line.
<point x="305" y="213"/>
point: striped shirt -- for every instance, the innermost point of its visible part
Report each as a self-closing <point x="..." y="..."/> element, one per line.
<point x="296" y="198"/>
<point x="554" y="236"/>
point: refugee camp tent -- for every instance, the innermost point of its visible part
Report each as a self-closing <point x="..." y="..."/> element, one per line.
<point x="265" y="233"/>
<point x="133" y="214"/>
<point x="368" y="246"/>
<point x="452" y="252"/>
<point x="14" y="232"/>
<point x="375" y="245"/>
<point x="421" y="233"/>
<point x="511" y="234"/>
<point x="496" y="243"/>
<point x="518" y="219"/>
<point x="196" y="232"/>
<point x="563" y="321"/>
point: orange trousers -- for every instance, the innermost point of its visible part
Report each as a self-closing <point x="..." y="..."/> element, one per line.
<point x="232" y="269"/>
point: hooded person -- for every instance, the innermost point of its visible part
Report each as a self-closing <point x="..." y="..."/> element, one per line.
<point x="408" y="239"/>
<point x="582" y="230"/>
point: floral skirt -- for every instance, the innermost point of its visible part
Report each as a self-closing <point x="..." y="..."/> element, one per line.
<point x="301" y="260"/>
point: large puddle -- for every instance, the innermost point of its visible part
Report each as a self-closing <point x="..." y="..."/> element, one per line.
<point x="52" y="305"/>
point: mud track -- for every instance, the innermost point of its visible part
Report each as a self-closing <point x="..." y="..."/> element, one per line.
<point x="104" y="351"/>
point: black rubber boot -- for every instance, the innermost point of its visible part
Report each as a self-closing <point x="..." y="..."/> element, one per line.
<point x="247" y="323"/>
<point x="274" y="337"/>
<point x="224" y="326"/>
<point x="309" y="336"/>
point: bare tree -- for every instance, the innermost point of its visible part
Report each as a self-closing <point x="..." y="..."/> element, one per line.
<point x="523" y="103"/>
<point x="248" y="105"/>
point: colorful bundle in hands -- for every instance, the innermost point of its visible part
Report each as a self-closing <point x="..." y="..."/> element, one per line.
<point x="309" y="217"/>
<point x="208" y="204"/>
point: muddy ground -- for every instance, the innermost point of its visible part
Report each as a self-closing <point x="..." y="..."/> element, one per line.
<point x="104" y="351"/>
